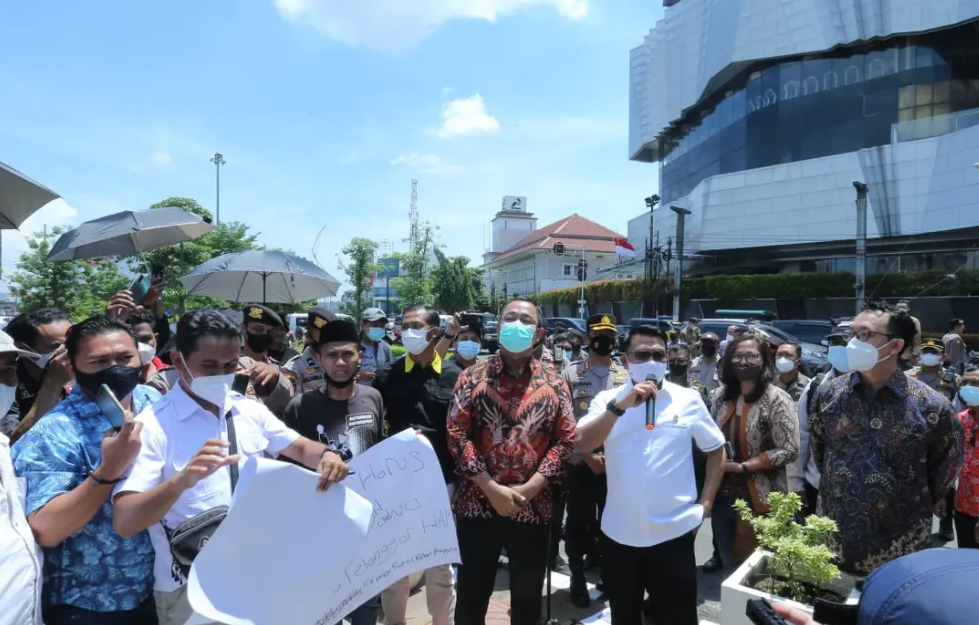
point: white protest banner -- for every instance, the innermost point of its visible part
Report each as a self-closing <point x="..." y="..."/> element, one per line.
<point x="281" y="558"/>
<point x="273" y="552"/>
<point x="412" y="528"/>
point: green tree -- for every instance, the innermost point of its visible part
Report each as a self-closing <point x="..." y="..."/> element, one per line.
<point x="360" y="267"/>
<point x="477" y="283"/>
<point x="178" y="260"/>
<point x="452" y="283"/>
<point x="415" y="284"/>
<point x="81" y="288"/>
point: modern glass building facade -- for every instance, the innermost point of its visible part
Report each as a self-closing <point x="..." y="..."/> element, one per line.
<point x="770" y="109"/>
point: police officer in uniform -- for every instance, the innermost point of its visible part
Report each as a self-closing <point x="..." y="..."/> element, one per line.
<point x="586" y="477"/>
<point x="303" y="371"/>
<point x="267" y="381"/>
<point x="947" y="382"/>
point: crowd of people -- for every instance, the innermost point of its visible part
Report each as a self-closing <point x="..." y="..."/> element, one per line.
<point x="620" y="449"/>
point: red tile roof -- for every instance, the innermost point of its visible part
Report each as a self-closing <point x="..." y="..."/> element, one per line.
<point x="574" y="231"/>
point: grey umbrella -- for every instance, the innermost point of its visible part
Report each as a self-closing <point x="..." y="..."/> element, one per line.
<point x="20" y="197"/>
<point x="261" y="277"/>
<point x="129" y="232"/>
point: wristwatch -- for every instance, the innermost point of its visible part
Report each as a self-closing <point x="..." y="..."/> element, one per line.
<point x="446" y="335"/>
<point x="614" y="409"/>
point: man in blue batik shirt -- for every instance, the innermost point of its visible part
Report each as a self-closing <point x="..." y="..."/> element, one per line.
<point x="71" y="459"/>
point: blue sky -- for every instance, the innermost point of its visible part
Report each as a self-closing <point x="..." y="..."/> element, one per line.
<point x="325" y="110"/>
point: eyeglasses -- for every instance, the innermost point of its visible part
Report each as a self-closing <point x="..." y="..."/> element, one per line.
<point x="753" y="359"/>
<point x="645" y="356"/>
<point x="865" y="335"/>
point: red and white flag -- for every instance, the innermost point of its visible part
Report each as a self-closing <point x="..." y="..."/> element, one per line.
<point x="624" y="248"/>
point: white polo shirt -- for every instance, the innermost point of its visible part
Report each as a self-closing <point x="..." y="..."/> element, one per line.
<point x="20" y="559"/>
<point x="652" y="489"/>
<point x="174" y="429"/>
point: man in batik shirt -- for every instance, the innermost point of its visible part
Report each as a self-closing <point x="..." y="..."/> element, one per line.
<point x="888" y="446"/>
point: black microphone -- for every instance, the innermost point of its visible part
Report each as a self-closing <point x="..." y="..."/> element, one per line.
<point x="651" y="403"/>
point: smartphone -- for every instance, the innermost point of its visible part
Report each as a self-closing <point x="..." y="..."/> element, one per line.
<point x="240" y="385"/>
<point x="472" y="320"/>
<point x="139" y="288"/>
<point x="110" y="407"/>
<point x="729" y="450"/>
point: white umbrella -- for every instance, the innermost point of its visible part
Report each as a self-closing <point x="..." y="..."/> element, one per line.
<point x="261" y="277"/>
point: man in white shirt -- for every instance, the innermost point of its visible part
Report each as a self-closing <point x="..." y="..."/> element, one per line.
<point x="652" y="514"/>
<point x="180" y="471"/>
<point x="20" y="567"/>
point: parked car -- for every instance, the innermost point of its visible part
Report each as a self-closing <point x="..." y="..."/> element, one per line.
<point x="491" y="330"/>
<point x="556" y="325"/>
<point x="805" y="330"/>
<point x="813" y="354"/>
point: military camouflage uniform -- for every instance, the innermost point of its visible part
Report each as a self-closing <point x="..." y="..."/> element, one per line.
<point x="794" y="388"/>
<point x="691" y="336"/>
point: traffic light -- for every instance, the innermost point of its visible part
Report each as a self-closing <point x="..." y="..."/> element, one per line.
<point x="582" y="270"/>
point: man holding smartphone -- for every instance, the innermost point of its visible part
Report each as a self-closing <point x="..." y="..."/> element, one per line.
<point x="181" y="470"/>
<point x="70" y="460"/>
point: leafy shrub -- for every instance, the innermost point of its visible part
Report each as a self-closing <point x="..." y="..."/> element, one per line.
<point x="801" y="558"/>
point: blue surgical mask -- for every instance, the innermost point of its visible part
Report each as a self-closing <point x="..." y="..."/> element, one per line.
<point x="468" y="350"/>
<point x="837" y="358"/>
<point x="970" y="395"/>
<point x="376" y="334"/>
<point x="517" y="337"/>
<point x="568" y="356"/>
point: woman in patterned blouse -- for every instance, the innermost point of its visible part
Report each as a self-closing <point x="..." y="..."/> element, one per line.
<point x="760" y="422"/>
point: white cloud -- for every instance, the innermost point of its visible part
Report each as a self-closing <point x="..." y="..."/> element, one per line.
<point x="426" y="164"/>
<point x="56" y="213"/>
<point x="466" y="116"/>
<point x="161" y="159"/>
<point x="397" y="24"/>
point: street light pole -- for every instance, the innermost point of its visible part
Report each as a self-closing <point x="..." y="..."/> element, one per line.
<point x="681" y="216"/>
<point x="861" y="258"/>
<point x="651" y="203"/>
<point x="218" y="160"/>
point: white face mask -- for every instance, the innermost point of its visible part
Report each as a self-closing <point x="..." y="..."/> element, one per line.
<point x="931" y="360"/>
<point x="7" y="396"/>
<point x="784" y="364"/>
<point x="640" y="371"/>
<point x="146" y="353"/>
<point x="862" y="356"/>
<point x="415" y="341"/>
<point x="213" y="389"/>
<point x="729" y="337"/>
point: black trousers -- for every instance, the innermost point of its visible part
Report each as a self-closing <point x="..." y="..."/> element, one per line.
<point x="668" y="571"/>
<point x="144" y="614"/>
<point x="586" y="502"/>
<point x="480" y="544"/>
<point x="965" y="530"/>
<point x="945" y="525"/>
<point x="812" y="494"/>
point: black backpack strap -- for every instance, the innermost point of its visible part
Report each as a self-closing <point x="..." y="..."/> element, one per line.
<point x="232" y="449"/>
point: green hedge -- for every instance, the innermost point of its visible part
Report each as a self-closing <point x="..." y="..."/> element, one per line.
<point x="790" y="286"/>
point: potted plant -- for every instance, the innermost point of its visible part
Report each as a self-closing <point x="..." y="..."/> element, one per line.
<point x="793" y="562"/>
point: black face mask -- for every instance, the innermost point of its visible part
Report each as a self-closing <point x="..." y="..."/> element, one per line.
<point x="602" y="345"/>
<point x="708" y="349"/>
<point x="678" y="371"/>
<point x="341" y="384"/>
<point x="120" y="379"/>
<point x="258" y="343"/>
<point x="747" y="371"/>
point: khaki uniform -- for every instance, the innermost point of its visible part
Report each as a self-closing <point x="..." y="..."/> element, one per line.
<point x="691" y="336"/>
<point x="705" y="373"/>
<point x="304" y="372"/>
<point x="948" y="388"/>
<point x="696" y="385"/>
<point x="278" y="399"/>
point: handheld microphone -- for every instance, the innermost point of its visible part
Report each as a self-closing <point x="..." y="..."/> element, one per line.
<point x="651" y="403"/>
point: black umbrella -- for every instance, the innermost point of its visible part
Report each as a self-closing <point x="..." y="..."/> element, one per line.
<point x="129" y="232"/>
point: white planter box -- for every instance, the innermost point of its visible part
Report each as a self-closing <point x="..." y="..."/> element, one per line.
<point x="735" y="596"/>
